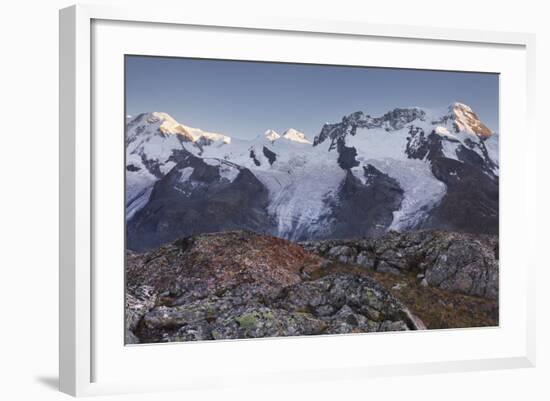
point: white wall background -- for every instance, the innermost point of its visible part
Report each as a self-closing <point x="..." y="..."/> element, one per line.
<point x="29" y="185"/>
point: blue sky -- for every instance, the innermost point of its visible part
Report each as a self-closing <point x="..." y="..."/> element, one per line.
<point x="243" y="99"/>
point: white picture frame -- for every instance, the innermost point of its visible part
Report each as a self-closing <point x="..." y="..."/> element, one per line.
<point x="81" y="346"/>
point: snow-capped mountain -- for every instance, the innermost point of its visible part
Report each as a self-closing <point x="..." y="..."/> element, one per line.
<point x="271" y="135"/>
<point x="152" y="140"/>
<point x="409" y="168"/>
<point x="293" y="135"/>
<point x="407" y="144"/>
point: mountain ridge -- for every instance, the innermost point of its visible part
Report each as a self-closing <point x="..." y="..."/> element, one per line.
<point x="425" y="166"/>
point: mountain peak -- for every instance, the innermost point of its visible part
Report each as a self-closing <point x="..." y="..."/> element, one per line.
<point x="169" y="126"/>
<point x="460" y="106"/>
<point x="271" y="135"/>
<point x="296" y="136"/>
<point x="161" y="115"/>
<point x="465" y="119"/>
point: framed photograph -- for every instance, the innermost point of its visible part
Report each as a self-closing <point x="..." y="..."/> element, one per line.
<point x="239" y="194"/>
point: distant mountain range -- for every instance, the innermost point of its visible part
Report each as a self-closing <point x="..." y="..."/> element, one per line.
<point x="410" y="168"/>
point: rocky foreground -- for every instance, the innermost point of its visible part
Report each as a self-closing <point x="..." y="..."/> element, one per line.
<point x="457" y="262"/>
<point x="243" y="285"/>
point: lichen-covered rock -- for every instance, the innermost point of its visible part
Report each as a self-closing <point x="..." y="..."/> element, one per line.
<point x="460" y="262"/>
<point x="343" y="253"/>
<point x="363" y="259"/>
<point x="469" y="268"/>
<point x="243" y="285"/>
<point x="263" y="321"/>
<point x="139" y="300"/>
<point x="339" y="303"/>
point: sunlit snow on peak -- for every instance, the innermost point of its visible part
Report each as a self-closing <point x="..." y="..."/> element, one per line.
<point x="168" y="125"/>
<point x="271" y="135"/>
<point x="294" y="135"/>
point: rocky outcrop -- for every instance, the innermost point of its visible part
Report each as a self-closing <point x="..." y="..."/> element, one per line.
<point x="198" y="197"/>
<point x="471" y="202"/>
<point x="392" y="120"/>
<point x="334" y="304"/>
<point x="364" y="210"/>
<point x="243" y="285"/>
<point x="459" y="262"/>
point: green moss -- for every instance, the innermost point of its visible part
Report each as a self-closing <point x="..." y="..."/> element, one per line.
<point x="247" y="321"/>
<point x="252" y="319"/>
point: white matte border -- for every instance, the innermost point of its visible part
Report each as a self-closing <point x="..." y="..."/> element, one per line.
<point x="357" y="354"/>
